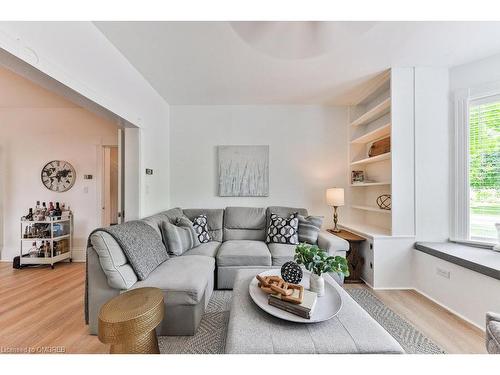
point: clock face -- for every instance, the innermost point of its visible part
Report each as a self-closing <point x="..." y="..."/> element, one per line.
<point x="58" y="175"/>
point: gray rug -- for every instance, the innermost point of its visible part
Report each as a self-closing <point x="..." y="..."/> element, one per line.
<point x="411" y="339"/>
<point x="211" y="335"/>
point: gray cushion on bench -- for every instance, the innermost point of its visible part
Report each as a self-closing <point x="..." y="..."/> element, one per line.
<point x="243" y="253"/>
<point x="182" y="279"/>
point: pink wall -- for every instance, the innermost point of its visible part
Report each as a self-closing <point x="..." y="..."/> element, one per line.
<point x="37" y="126"/>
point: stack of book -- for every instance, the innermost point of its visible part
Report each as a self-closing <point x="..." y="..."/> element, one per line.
<point x="304" y="309"/>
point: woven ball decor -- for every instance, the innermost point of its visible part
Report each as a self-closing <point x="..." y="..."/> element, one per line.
<point x="384" y="201"/>
<point x="291" y="272"/>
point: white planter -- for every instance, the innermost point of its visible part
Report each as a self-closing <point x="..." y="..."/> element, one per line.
<point x="317" y="284"/>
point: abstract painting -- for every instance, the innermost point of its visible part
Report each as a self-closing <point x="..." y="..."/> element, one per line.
<point x="243" y="171"/>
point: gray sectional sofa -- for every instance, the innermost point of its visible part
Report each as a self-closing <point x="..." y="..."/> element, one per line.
<point x="238" y="241"/>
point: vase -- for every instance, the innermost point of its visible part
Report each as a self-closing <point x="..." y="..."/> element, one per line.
<point x="317" y="284"/>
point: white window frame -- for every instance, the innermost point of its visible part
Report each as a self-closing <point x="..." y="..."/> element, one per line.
<point x="460" y="224"/>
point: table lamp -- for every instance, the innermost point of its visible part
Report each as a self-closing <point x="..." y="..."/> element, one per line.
<point x="335" y="198"/>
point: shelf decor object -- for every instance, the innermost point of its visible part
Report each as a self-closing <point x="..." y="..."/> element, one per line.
<point x="291" y="272"/>
<point x="335" y="198"/>
<point x="384" y="202"/>
<point x="49" y="240"/>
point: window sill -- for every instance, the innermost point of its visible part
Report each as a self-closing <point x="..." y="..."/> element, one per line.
<point x="475" y="243"/>
<point x="481" y="260"/>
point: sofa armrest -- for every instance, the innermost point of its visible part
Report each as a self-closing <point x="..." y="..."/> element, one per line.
<point x="491" y="316"/>
<point x="332" y="244"/>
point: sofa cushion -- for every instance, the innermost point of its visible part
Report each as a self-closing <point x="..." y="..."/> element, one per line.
<point x="118" y="271"/>
<point x="183" y="279"/>
<point x="208" y="249"/>
<point x="283" y="230"/>
<point x="281" y="253"/>
<point x="155" y="220"/>
<point x="283" y="211"/>
<point x="309" y="227"/>
<point x="243" y="253"/>
<point x="245" y="223"/>
<point x="214" y="220"/>
<point x="179" y="237"/>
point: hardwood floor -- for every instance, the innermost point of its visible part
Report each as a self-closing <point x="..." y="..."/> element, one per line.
<point x="40" y="307"/>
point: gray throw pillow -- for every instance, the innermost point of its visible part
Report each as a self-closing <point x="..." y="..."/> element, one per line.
<point x="309" y="228"/>
<point x="179" y="237"/>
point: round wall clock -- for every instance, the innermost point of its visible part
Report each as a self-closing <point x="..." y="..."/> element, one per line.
<point x="58" y="175"/>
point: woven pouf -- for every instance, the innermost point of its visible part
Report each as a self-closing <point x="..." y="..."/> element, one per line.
<point x="128" y="321"/>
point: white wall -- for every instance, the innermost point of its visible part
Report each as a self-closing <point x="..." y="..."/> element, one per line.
<point x="467" y="293"/>
<point x="36" y="127"/>
<point x="432" y="154"/>
<point x="78" y="55"/>
<point x="308" y="153"/>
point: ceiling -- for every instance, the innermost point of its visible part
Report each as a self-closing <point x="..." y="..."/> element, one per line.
<point x="210" y="63"/>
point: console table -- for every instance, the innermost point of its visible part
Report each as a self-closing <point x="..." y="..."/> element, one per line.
<point x="354" y="260"/>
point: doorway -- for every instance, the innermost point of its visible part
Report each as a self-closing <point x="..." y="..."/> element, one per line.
<point x="110" y="186"/>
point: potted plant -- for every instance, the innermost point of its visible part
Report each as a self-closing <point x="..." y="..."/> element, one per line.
<point x="318" y="262"/>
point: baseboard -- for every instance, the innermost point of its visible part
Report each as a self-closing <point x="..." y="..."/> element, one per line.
<point x="79" y="255"/>
<point x="482" y="328"/>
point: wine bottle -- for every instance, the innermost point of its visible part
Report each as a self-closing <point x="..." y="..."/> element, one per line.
<point x="57" y="210"/>
<point x="44" y="210"/>
<point x="30" y="215"/>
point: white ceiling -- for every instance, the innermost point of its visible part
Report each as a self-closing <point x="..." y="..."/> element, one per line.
<point x="229" y="63"/>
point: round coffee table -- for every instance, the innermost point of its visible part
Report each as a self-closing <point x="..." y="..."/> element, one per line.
<point x="128" y="321"/>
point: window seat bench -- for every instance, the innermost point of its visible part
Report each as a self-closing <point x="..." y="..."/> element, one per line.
<point x="484" y="261"/>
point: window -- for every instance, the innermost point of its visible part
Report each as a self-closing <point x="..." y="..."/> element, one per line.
<point x="484" y="168"/>
<point x="476" y="207"/>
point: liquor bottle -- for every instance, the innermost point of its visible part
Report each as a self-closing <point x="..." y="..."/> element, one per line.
<point x="41" y="250"/>
<point x="33" y="253"/>
<point x="30" y="215"/>
<point x="51" y="209"/>
<point x="44" y="210"/>
<point x="37" y="210"/>
<point x="47" y="250"/>
<point x="57" y="211"/>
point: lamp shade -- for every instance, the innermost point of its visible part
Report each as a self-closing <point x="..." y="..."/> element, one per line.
<point x="335" y="197"/>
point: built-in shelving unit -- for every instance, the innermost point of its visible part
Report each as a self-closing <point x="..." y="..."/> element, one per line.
<point x="383" y="109"/>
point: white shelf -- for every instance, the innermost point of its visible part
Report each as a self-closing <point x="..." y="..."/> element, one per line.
<point x="373" y="159"/>
<point x="384" y="130"/>
<point x="371" y="184"/>
<point x="371" y="208"/>
<point x="374" y="87"/>
<point x="48" y="260"/>
<point x="366" y="230"/>
<point x="46" y="221"/>
<point x="46" y="239"/>
<point x="376" y="112"/>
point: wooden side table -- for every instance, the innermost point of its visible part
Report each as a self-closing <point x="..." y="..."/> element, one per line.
<point x="128" y="321"/>
<point x="354" y="259"/>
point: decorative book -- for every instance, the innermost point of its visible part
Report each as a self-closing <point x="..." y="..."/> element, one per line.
<point x="304" y="309"/>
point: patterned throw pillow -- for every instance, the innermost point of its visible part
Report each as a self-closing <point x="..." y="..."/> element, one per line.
<point x="309" y="228"/>
<point x="200" y="225"/>
<point x="283" y="230"/>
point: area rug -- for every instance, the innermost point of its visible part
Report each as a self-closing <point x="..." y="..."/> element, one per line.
<point x="211" y="335"/>
<point x="411" y="339"/>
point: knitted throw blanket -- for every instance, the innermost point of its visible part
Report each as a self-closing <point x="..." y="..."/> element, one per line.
<point x="141" y="245"/>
